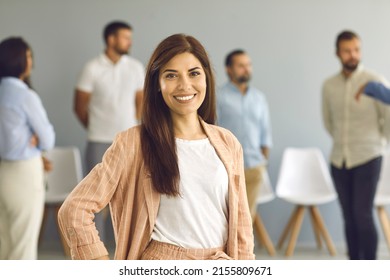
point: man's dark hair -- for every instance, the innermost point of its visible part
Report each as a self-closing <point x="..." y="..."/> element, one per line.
<point x="345" y="35"/>
<point x="229" y="57"/>
<point x="112" y="27"/>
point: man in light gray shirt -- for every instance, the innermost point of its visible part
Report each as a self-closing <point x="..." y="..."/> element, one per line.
<point x="358" y="131"/>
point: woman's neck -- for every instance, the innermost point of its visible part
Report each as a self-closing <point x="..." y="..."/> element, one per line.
<point x="188" y="128"/>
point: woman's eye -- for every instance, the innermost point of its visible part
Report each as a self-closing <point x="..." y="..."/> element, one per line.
<point x="170" y="76"/>
<point x="195" y="73"/>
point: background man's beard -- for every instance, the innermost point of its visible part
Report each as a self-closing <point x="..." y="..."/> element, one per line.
<point x="350" y="66"/>
<point x="121" y="52"/>
<point x="243" y="79"/>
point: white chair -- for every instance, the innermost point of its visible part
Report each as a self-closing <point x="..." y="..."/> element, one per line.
<point x="266" y="194"/>
<point x="304" y="180"/>
<point x="382" y="197"/>
<point x="60" y="181"/>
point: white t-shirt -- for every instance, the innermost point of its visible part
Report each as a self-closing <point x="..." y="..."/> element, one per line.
<point x="199" y="217"/>
<point x="112" y="87"/>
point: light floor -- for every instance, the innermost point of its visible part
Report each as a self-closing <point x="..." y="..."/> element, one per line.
<point x="311" y="252"/>
<point x="54" y="251"/>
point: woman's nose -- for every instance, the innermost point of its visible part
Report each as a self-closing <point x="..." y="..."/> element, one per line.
<point x="184" y="83"/>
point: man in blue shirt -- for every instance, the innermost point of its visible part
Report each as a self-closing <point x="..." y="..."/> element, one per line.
<point x="243" y="110"/>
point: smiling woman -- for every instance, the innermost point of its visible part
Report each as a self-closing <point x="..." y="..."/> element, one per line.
<point x="176" y="182"/>
<point x="183" y="87"/>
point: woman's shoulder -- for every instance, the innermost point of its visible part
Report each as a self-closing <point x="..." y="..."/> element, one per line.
<point x="219" y="129"/>
<point x="132" y="134"/>
<point x="30" y="99"/>
<point x="128" y="139"/>
<point x="224" y="134"/>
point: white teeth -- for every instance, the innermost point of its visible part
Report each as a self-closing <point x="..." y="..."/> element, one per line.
<point x="184" y="98"/>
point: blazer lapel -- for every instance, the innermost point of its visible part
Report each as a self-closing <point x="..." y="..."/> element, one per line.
<point x="225" y="154"/>
<point x="219" y="146"/>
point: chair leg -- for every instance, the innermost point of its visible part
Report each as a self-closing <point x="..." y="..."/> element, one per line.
<point x="287" y="228"/>
<point x="296" y="227"/>
<point x="323" y="230"/>
<point x="263" y="235"/>
<point x="315" y="228"/>
<point x="63" y="241"/>
<point x="385" y="222"/>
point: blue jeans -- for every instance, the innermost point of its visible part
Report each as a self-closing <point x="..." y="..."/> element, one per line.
<point x="356" y="189"/>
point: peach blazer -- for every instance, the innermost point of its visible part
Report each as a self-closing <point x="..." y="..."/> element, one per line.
<point x="122" y="181"/>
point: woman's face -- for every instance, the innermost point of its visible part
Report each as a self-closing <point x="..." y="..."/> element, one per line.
<point x="183" y="85"/>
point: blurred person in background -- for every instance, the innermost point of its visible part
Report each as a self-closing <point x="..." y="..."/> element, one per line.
<point x="25" y="132"/>
<point x="243" y="109"/>
<point x="357" y="131"/>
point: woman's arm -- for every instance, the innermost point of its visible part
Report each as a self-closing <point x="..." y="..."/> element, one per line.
<point x="245" y="229"/>
<point x="37" y="118"/>
<point x="91" y="195"/>
<point x="376" y="90"/>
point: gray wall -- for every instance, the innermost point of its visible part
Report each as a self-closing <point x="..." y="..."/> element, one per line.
<point x="291" y="44"/>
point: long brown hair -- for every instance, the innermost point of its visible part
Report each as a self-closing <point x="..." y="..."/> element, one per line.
<point x="157" y="137"/>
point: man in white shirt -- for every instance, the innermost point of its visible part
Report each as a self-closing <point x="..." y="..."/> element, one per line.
<point x="108" y="94"/>
<point x="358" y="130"/>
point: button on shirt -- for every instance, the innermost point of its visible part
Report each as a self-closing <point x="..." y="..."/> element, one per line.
<point x="358" y="129"/>
<point x="22" y="115"/>
<point x="247" y="117"/>
<point x="113" y="87"/>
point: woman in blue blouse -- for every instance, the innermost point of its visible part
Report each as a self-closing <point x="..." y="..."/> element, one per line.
<point x="25" y="132"/>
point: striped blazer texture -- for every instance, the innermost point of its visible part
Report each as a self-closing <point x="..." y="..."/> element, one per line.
<point x="122" y="181"/>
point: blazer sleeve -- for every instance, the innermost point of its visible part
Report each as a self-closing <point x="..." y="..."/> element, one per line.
<point x="244" y="227"/>
<point x="90" y="196"/>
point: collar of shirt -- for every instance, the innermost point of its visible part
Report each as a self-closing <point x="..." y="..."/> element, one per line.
<point x="358" y="70"/>
<point x="14" y="81"/>
<point x="104" y="58"/>
<point x="234" y="88"/>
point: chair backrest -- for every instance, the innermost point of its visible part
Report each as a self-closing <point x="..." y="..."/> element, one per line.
<point x="266" y="192"/>
<point x="382" y="196"/>
<point x="66" y="173"/>
<point x="304" y="177"/>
